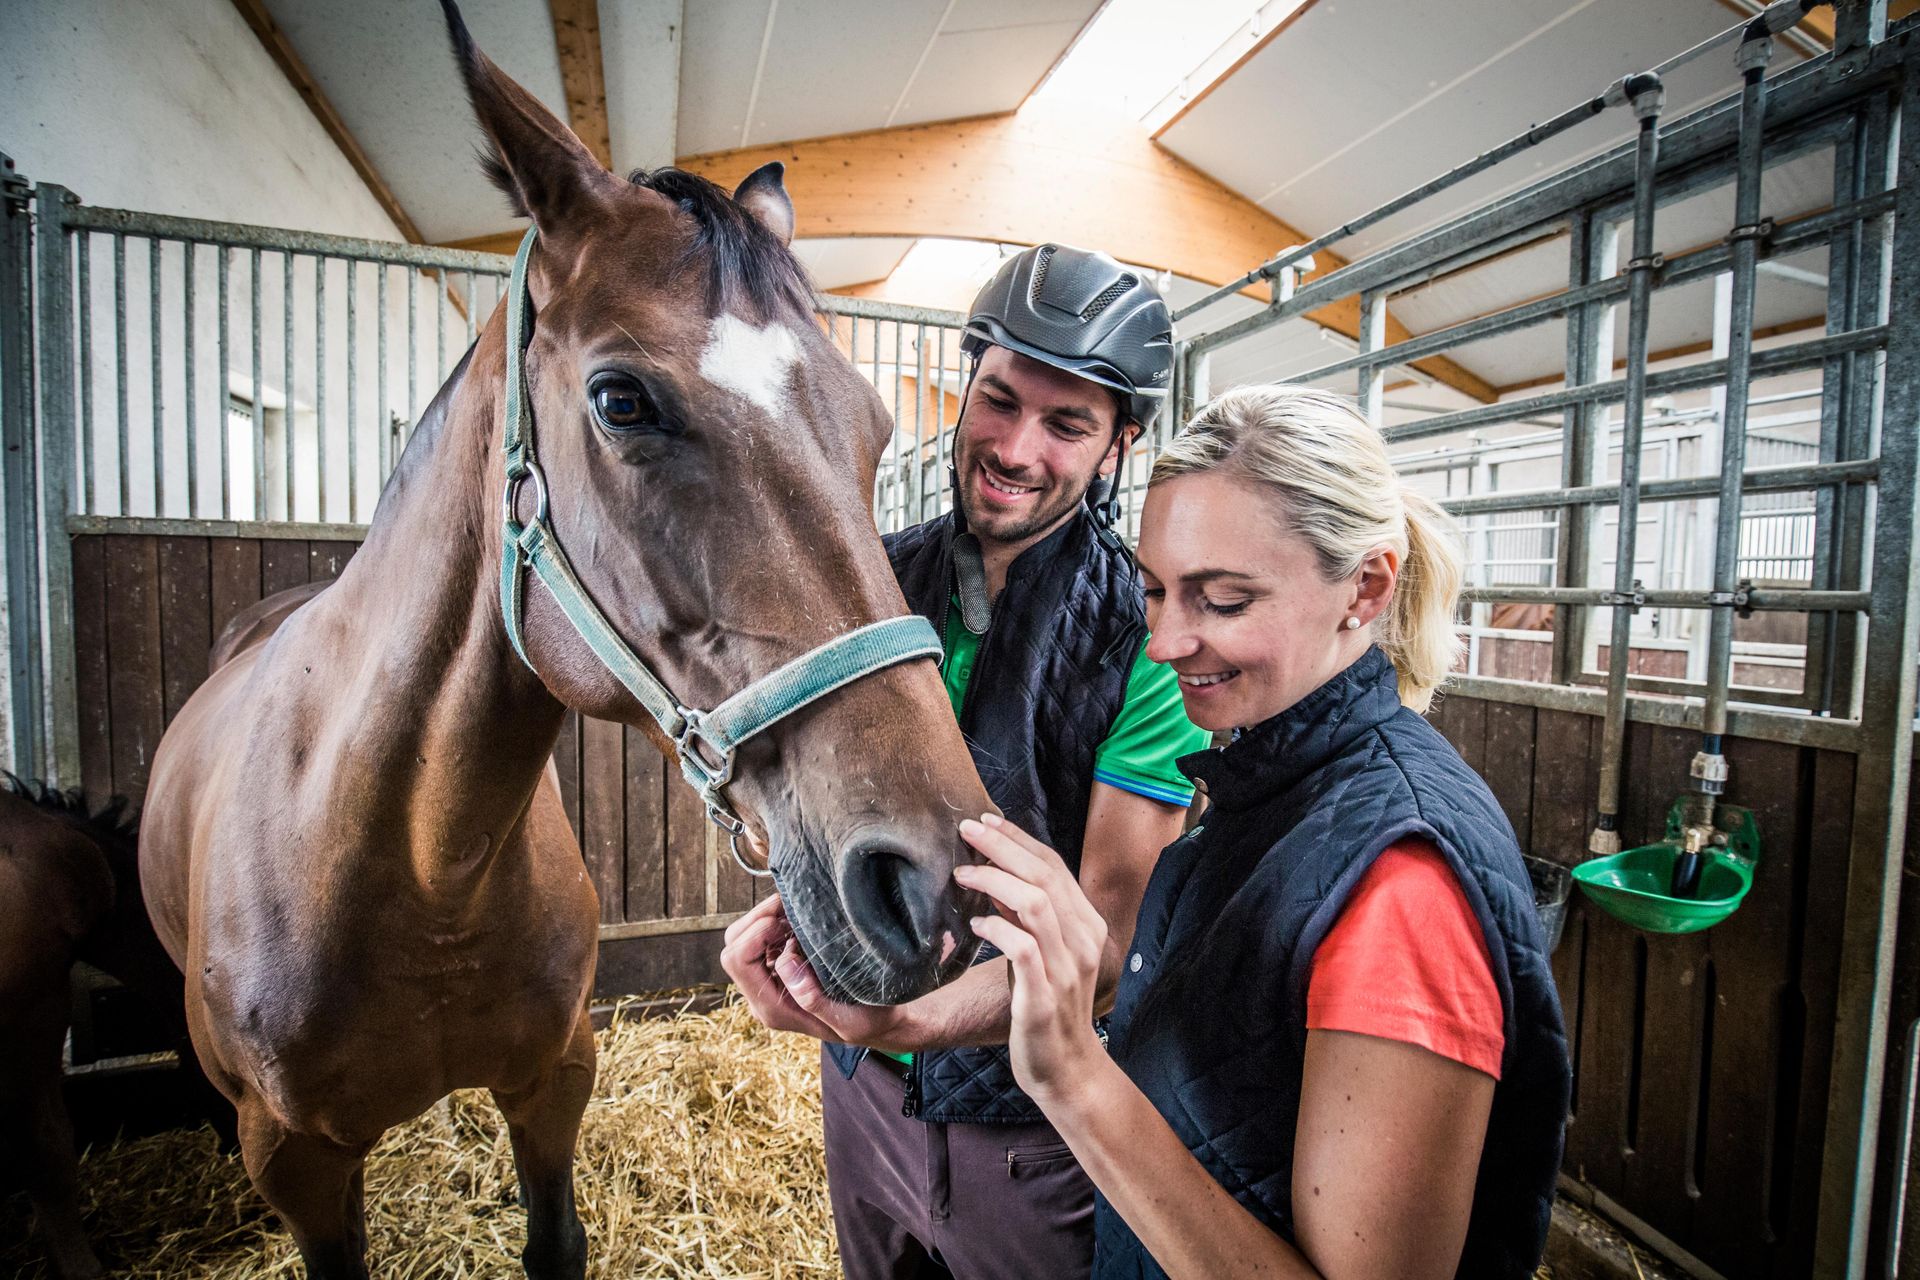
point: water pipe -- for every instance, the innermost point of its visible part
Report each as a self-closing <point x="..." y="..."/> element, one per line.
<point x="1648" y="99"/>
<point x="1750" y="231"/>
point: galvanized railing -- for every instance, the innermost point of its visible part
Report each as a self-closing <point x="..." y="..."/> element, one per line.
<point x="912" y="356"/>
<point x="250" y="373"/>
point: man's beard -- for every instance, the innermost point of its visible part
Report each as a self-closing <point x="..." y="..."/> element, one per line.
<point x="1049" y="505"/>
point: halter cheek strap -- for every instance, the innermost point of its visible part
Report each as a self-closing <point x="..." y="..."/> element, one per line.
<point x="705" y="741"/>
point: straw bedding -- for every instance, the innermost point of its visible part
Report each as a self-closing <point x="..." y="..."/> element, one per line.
<point x="700" y="1155"/>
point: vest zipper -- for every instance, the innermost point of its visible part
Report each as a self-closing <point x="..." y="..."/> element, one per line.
<point x="911" y="1106"/>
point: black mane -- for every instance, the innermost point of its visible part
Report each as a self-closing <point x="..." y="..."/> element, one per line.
<point x="743" y="257"/>
<point x="114" y="826"/>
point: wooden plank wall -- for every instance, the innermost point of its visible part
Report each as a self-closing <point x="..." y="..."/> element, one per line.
<point x="1700" y="1060"/>
<point x="147" y="609"/>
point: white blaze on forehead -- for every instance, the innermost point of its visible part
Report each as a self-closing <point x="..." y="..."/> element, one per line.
<point x="752" y="361"/>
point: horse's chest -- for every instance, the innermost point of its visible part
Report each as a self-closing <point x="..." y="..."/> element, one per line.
<point x="393" y="1007"/>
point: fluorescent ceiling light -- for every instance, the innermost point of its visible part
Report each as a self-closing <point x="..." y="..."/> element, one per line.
<point x="1137" y="52"/>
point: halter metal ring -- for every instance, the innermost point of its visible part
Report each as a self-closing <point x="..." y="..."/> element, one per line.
<point x="724" y="818"/>
<point x="512" y="494"/>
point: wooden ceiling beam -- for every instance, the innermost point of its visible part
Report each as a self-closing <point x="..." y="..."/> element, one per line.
<point x="1049" y="171"/>
<point x="583" y="77"/>
<point x="280" y="49"/>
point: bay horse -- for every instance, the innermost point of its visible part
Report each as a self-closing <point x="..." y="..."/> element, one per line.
<point x="69" y="891"/>
<point x="353" y="842"/>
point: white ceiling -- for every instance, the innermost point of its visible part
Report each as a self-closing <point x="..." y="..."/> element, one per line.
<point x="1338" y="112"/>
<point x="1436" y="86"/>
<point x="683" y="77"/>
<point x="757" y="71"/>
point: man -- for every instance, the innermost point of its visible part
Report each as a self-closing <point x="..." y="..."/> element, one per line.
<point x="937" y="1164"/>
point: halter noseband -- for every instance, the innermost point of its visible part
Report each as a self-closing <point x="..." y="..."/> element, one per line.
<point x="706" y="741"/>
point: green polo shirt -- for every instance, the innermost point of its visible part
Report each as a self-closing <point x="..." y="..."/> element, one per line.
<point x="1149" y="734"/>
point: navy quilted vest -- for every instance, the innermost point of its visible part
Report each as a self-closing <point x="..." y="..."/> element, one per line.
<point x="1212" y="1025"/>
<point x="1050" y="678"/>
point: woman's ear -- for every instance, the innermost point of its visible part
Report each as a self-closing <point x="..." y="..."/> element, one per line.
<point x="1373" y="585"/>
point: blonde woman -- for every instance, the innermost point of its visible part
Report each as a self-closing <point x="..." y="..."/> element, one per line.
<point x="1336" y="1049"/>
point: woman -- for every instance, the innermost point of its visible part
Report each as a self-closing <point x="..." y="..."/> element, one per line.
<point x="1336" y="1049"/>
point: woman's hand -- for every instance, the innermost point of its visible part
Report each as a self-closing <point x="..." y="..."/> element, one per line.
<point x="781" y="989"/>
<point x="1054" y="938"/>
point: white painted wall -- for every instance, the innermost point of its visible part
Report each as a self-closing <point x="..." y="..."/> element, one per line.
<point x="171" y="106"/>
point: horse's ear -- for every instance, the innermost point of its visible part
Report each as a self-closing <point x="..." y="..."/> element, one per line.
<point x="763" y="193"/>
<point x="546" y="172"/>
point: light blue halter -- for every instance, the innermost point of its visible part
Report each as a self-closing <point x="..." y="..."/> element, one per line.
<point x="706" y="741"/>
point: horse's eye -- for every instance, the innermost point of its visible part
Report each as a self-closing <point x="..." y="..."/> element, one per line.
<point x="622" y="404"/>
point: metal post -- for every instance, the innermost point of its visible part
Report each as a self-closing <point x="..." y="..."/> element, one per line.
<point x="1881" y="783"/>
<point x="1709" y="768"/>
<point x="26" y="705"/>
<point x="1590" y="258"/>
<point x="54" y="288"/>
<point x="1373" y="336"/>
<point x="1648" y="99"/>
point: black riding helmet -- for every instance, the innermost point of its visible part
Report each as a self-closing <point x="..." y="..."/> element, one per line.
<point x="1084" y="313"/>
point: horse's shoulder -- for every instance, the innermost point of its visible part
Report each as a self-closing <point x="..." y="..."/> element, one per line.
<point x="257" y="623"/>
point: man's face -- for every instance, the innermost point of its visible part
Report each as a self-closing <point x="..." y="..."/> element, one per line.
<point x="1032" y="438"/>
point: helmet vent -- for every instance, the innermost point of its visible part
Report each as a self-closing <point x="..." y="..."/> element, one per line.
<point x="1106" y="297"/>
<point x="1040" y="263"/>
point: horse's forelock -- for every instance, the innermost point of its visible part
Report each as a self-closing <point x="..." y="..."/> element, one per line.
<point x="744" y="259"/>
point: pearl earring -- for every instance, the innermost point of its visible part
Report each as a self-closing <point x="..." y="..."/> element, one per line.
<point x="1353" y="624"/>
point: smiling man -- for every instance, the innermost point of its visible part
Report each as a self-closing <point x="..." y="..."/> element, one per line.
<point x="937" y="1164"/>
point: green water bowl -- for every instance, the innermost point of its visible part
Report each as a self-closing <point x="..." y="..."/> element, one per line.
<point x="1632" y="886"/>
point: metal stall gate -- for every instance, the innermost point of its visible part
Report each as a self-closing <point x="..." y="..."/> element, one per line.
<point x="1729" y="1085"/>
<point x="218" y="407"/>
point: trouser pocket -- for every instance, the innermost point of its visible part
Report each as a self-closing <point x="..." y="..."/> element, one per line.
<point x="1030" y="1161"/>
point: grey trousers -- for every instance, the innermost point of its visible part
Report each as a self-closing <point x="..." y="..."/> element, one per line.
<point x="914" y="1200"/>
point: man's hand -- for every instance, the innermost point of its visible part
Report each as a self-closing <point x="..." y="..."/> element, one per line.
<point x="782" y="991"/>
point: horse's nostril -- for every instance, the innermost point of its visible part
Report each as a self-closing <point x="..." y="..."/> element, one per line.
<point x="891" y="903"/>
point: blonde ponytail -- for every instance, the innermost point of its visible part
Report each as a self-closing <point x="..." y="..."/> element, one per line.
<point x="1419" y="635"/>
<point x="1328" y="468"/>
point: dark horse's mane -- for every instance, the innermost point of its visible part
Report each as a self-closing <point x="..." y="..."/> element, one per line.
<point x="742" y="255"/>
<point x="114" y="826"/>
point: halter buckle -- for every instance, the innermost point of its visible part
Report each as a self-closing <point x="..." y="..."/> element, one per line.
<point x="530" y="469"/>
<point x="707" y="764"/>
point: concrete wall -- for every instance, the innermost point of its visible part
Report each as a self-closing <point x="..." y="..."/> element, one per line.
<point x="174" y="107"/>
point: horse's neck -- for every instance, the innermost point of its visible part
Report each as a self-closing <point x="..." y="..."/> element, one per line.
<point x="444" y="724"/>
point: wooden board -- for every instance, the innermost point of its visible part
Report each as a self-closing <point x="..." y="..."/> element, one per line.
<point x="148" y="609"/>
<point x="1701" y="1060"/>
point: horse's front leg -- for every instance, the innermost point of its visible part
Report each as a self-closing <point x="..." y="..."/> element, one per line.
<point x="33" y="1122"/>
<point x="316" y="1186"/>
<point x="544" y="1121"/>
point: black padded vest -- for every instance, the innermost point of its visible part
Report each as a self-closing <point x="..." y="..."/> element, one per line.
<point x="1212" y="1025"/>
<point x="1049" y="681"/>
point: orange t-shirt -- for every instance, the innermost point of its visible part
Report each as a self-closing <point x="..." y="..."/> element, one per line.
<point x="1406" y="961"/>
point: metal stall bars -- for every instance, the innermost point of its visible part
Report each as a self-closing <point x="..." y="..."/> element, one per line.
<point x="1858" y="694"/>
<point x="19" y="535"/>
<point x="198" y="445"/>
<point x="912" y="356"/>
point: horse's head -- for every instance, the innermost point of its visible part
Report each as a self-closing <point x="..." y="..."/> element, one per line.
<point x="709" y="461"/>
